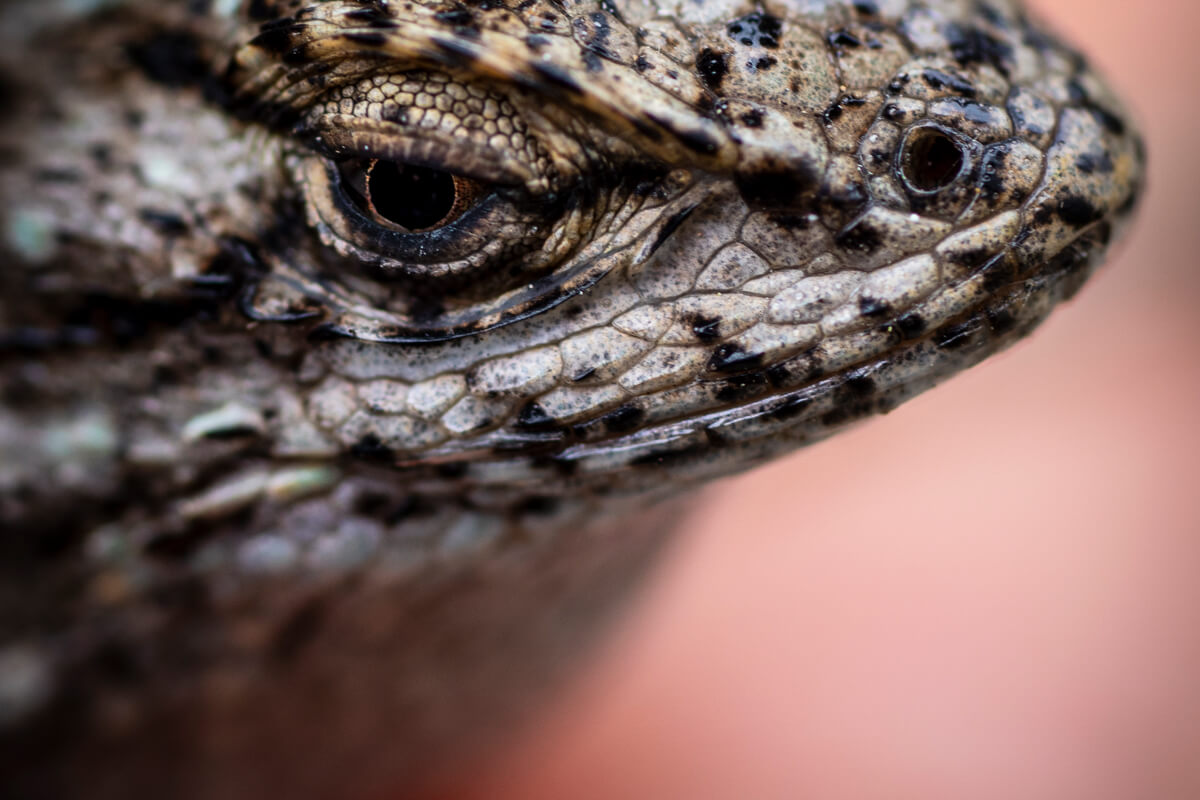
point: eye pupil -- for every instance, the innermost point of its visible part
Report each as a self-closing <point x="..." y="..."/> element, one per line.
<point x="932" y="160"/>
<point x="412" y="197"/>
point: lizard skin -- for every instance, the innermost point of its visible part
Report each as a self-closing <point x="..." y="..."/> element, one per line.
<point x="299" y="498"/>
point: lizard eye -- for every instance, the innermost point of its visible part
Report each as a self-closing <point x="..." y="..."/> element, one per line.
<point x="407" y="197"/>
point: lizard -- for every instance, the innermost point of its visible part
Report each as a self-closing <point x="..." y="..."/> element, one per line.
<point x="341" y="341"/>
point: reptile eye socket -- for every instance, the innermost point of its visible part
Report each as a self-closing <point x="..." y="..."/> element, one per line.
<point x="407" y="197"/>
<point x="931" y="159"/>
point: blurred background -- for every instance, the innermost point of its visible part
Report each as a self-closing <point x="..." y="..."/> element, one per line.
<point x="993" y="592"/>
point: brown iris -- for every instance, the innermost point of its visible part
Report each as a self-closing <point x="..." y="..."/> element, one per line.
<point x="407" y="196"/>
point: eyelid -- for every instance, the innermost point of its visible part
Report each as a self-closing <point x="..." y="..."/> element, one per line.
<point x="338" y="136"/>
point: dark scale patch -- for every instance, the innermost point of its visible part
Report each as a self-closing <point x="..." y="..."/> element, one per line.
<point x="1092" y="163"/>
<point x="733" y="358"/>
<point x="866" y="9"/>
<point x="999" y="271"/>
<point x="773" y="189"/>
<point x="911" y="325"/>
<point x="841" y="40"/>
<point x="669" y="228"/>
<point x="992" y="172"/>
<point x="1078" y="211"/>
<point x="532" y="417"/>
<point x="1001" y="320"/>
<point x="974" y="46"/>
<point x="370" y="448"/>
<point x="790" y="408"/>
<point x="762" y="64"/>
<point x="696" y="141"/>
<point x="452" y="470"/>
<point x="871" y="307"/>
<point x="372" y="18"/>
<point x="557" y="77"/>
<point x="535" y="41"/>
<point x="779" y="375"/>
<point x="857" y="387"/>
<point x="367" y="38"/>
<point x="707" y="329"/>
<point x="858" y="236"/>
<point x="260" y="10"/>
<point x="623" y="420"/>
<point x="756" y="30"/>
<point x="538" y="505"/>
<point x="937" y="80"/>
<point x="163" y="221"/>
<point x="172" y="59"/>
<point x="834" y="112"/>
<point x="956" y="335"/>
<point x="641" y="64"/>
<point x="896" y="85"/>
<point x="752" y="118"/>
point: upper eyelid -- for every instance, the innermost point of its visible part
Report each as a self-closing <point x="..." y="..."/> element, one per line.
<point x="338" y="137"/>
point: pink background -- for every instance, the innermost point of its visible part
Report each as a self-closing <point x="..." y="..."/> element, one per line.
<point x="994" y="592"/>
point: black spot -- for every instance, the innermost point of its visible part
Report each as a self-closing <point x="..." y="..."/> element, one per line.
<point x="670" y="226"/>
<point x="538" y="505"/>
<point x="911" y="325"/>
<point x="370" y="448"/>
<point x="532" y="417"/>
<point x="641" y="64"/>
<point x="859" y="236"/>
<point x="733" y="358"/>
<point x="462" y="53"/>
<point x="697" y="141"/>
<point x="1078" y="211"/>
<point x="259" y="10"/>
<point x="452" y="470"/>
<point x="1091" y="163"/>
<point x="372" y="17"/>
<point x="779" y="375"/>
<point x="834" y="112"/>
<point x="773" y="188"/>
<point x="764" y="63"/>
<point x="557" y="77"/>
<point x="843" y="39"/>
<point x="866" y="8"/>
<point x="171" y="59"/>
<point x="974" y="46"/>
<point x="756" y="30"/>
<point x="936" y="79"/>
<point x="998" y="271"/>
<point x="896" y="85"/>
<point x="1001" y="320"/>
<point x="163" y="221"/>
<point x="752" y="118"/>
<point x="707" y="329"/>
<point x="858" y="386"/>
<point x="871" y="307"/>
<point x="623" y="420"/>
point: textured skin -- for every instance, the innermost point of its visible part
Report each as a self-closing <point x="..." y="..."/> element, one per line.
<point x="297" y="502"/>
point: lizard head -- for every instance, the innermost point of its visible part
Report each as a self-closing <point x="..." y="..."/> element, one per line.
<point x="545" y="245"/>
